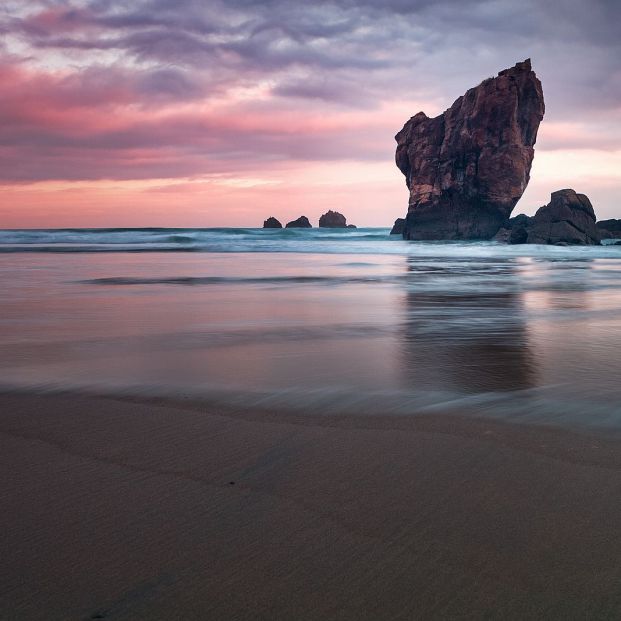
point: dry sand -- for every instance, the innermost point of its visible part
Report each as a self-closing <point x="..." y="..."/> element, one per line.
<point x="120" y="509"/>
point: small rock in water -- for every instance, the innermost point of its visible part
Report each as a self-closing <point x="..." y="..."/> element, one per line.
<point x="609" y="229"/>
<point x="301" y="223"/>
<point x="398" y="226"/>
<point x="333" y="220"/>
<point x="272" y="223"/>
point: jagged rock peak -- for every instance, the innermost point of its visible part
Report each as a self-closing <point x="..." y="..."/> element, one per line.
<point x="467" y="168"/>
<point x="525" y="66"/>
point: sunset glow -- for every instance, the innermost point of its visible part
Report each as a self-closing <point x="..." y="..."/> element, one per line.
<point x="193" y="114"/>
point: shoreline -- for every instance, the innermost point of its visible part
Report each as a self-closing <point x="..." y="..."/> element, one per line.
<point x="150" y="508"/>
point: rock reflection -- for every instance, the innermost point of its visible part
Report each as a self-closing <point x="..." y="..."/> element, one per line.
<point x="465" y="327"/>
<point x="560" y="286"/>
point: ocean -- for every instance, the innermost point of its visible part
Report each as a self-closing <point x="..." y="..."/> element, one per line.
<point x="320" y="320"/>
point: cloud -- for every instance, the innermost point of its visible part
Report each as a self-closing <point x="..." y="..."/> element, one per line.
<point x="96" y="89"/>
<point x="122" y="124"/>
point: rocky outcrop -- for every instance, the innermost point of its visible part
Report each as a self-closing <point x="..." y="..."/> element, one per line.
<point x="301" y="223"/>
<point x="333" y="220"/>
<point x="398" y="226"/>
<point x="467" y="168"/>
<point x="610" y="229"/>
<point x="272" y="223"/>
<point x="568" y="218"/>
<point x="352" y="226"/>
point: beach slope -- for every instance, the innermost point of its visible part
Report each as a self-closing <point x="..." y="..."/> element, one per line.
<point x="128" y="509"/>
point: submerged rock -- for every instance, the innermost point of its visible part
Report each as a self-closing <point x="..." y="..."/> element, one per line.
<point x="333" y="220"/>
<point x="301" y="223"/>
<point x="398" y="226"/>
<point x="272" y="223"/>
<point x="352" y="226"/>
<point x="467" y="168"/>
<point x="568" y="219"/>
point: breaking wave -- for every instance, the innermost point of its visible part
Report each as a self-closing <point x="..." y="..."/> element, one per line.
<point x="325" y="241"/>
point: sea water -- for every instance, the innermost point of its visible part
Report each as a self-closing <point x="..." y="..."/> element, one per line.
<point x="322" y="321"/>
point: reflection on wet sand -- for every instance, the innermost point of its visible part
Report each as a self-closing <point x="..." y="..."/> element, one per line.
<point x="497" y="335"/>
<point x="468" y="333"/>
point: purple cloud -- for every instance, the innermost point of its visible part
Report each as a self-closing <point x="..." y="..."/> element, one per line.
<point x="95" y="82"/>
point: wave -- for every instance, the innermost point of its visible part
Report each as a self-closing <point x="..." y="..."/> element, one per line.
<point x="176" y="235"/>
<point x="534" y="406"/>
<point x="218" y="280"/>
<point x="244" y="240"/>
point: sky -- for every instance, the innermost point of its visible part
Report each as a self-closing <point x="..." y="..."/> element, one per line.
<point x="205" y="113"/>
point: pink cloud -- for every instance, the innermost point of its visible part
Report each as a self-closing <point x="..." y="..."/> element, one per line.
<point x="184" y="91"/>
<point x="97" y="124"/>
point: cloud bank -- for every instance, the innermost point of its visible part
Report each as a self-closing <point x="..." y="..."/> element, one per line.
<point x="187" y="90"/>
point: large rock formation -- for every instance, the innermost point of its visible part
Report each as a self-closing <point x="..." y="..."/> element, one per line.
<point x="272" y="223"/>
<point x="301" y="223"/>
<point x="333" y="220"/>
<point x="568" y="218"/>
<point x="467" y="168"/>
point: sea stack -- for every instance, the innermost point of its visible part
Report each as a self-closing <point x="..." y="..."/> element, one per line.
<point x="301" y="223"/>
<point x="272" y="223"/>
<point x="333" y="220"/>
<point x="467" y="168"/>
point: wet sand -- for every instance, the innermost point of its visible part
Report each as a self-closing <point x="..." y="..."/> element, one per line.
<point x="128" y="509"/>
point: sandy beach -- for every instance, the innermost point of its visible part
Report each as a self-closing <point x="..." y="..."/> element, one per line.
<point x="128" y="509"/>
